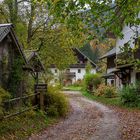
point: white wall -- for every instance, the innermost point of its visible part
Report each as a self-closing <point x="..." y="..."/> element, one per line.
<point x="129" y="35"/>
<point x="109" y="81"/>
<point x="56" y="75"/>
<point x="82" y="73"/>
<point x="110" y="70"/>
<point x="133" y="76"/>
<point x="117" y="81"/>
<point x="75" y="70"/>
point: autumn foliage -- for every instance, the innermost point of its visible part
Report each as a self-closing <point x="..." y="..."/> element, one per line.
<point x="106" y="91"/>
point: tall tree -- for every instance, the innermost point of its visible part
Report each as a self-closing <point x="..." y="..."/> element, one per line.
<point x="102" y="14"/>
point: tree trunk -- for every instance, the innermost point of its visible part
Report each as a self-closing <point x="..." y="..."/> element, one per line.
<point x="30" y="24"/>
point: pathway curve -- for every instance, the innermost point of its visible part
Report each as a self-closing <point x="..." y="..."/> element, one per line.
<point x="89" y="120"/>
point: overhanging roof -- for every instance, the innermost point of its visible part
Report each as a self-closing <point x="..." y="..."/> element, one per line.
<point x="86" y="57"/>
<point x="108" y="75"/>
<point x="124" y="66"/>
<point x="109" y="53"/>
<point x="6" y="29"/>
<point x="114" y="71"/>
<point x="33" y="54"/>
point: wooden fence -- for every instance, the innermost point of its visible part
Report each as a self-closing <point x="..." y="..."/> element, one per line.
<point x="19" y="105"/>
<point x="16" y="106"/>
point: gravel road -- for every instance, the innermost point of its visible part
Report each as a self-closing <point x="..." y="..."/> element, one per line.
<point x="89" y="120"/>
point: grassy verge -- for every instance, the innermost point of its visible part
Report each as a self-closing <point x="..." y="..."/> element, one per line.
<point x="107" y="101"/>
<point x="72" y="88"/>
<point x="23" y="126"/>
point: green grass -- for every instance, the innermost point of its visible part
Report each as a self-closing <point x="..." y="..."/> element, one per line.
<point x="23" y="126"/>
<point x="72" y="88"/>
<point x="107" y="101"/>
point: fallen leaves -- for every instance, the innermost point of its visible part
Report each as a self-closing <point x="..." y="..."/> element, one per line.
<point x="130" y="123"/>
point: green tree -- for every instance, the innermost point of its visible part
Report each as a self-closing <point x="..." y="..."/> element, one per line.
<point x="102" y="14"/>
<point x="36" y="29"/>
<point x="58" y="25"/>
<point x="88" y="67"/>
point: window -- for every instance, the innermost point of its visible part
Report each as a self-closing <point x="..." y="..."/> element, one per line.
<point x="112" y="82"/>
<point x="55" y="70"/>
<point x="79" y="70"/>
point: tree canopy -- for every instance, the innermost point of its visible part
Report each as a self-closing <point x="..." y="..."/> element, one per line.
<point x="59" y="25"/>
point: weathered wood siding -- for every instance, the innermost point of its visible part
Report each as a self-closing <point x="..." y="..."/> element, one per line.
<point x="110" y="61"/>
<point x="6" y="60"/>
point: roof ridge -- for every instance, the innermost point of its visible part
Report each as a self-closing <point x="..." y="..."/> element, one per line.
<point x="6" y="24"/>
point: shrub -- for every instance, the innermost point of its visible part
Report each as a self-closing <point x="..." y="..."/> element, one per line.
<point x="137" y="85"/>
<point x="3" y="96"/>
<point x="106" y="91"/>
<point x="129" y="96"/>
<point x="52" y="111"/>
<point x="78" y="83"/>
<point x="55" y="102"/>
<point x="92" y="81"/>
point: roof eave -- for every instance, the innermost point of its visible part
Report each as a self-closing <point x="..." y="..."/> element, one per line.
<point x="87" y="57"/>
<point x="106" y="56"/>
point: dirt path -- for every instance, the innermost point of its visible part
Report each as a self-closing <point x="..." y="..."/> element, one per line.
<point x="88" y="121"/>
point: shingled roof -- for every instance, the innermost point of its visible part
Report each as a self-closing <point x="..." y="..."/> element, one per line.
<point x="31" y="54"/>
<point x="86" y="56"/>
<point x="6" y="29"/>
<point x="90" y="52"/>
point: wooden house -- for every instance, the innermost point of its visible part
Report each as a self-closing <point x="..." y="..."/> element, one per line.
<point x="125" y="68"/>
<point x="76" y="72"/>
<point x="110" y="57"/>
<point x="122" y="62"/>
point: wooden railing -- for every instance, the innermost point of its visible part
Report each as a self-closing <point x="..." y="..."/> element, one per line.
<point x="13" y="107"/>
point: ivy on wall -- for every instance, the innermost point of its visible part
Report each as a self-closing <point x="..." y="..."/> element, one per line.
<point x="16" y="76"/>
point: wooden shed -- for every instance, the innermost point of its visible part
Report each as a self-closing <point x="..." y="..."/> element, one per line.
<point x="12" y="60"/>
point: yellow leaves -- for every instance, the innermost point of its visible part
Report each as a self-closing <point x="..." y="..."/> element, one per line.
<point x="38" y="1"/>
<point x="56" y="1"/>
<point x="129" y="123"/>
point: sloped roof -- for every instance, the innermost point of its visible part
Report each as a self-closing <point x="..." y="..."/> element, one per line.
<point x="90" y="52"/>
<point x="108" y="75"/>
<point x="33" y="54"/>
<point x="109" y="53"/>
<point x="87" y="56"/>
<point x="6" y="29"/>
<point x="87" y="52"/>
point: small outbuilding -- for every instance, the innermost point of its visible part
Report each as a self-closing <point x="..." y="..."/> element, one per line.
<point x="12" y="60"/>
<point x="35" y="64"/>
